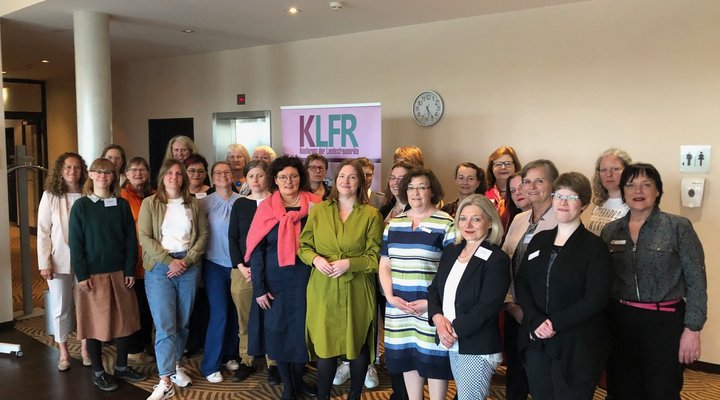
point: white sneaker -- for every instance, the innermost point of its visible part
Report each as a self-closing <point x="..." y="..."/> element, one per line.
<point x="162" y="391"/>
<point x="232" y="365"/>
<point x="215" y="377"/>
<point x="180" y="377"/>
<point x="371" y="377"/>
<point x="342" y="374"/>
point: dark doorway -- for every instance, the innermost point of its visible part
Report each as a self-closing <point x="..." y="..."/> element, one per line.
<point x="11" y="180"/>
<point x="160" y="131"/>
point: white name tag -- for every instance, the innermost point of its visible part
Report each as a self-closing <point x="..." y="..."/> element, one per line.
<point x="618" y="242"/>
<point x="112" y="202"/>
<point x="483" y="253"/>
<point x="534" y="254"/>
<point x="527" y="238"/>
<point x="426" y="230"/>
<point x="200" y="195"/>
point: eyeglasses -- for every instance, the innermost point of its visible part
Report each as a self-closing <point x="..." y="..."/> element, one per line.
<point x="315" y="168"/>
<point x="503" y="164"/>
<point x="133" y="170"/>
<point x="568" y="198"/>
<point x="284" y="178"/>
<point x="395" y="178"/>
<point x="417" y="188"/>
<point x="222" y="173"/>
<point x="102" y="171"/>
<point x="192" y="171"/>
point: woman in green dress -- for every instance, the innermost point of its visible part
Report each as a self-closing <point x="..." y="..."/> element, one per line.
<point x="341" y="240"/>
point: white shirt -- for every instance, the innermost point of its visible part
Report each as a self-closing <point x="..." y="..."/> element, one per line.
<point x="176" y="227"/>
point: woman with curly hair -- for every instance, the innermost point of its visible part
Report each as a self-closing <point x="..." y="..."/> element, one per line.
<point x="62" y="187"/>
<point x="607" y="195"/>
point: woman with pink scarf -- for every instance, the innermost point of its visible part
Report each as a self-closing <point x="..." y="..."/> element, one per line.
<point x="279" y="278"/>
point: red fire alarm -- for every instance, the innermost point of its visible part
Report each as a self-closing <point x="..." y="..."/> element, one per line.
<point x="241" y="99"/>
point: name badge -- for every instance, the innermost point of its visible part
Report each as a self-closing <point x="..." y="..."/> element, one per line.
<point x="425" y="229"/>
<point x="618" y="242"/>
<point x="534" y="254"/>
<point x="483" y="253"/>
<point x="110" y="202"/>
<point x="527" y="238"/>
<point x="200" y="195"/>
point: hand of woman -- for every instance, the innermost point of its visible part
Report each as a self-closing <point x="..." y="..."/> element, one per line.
<point x="689" y="347"/>
<point x="445" y="330"/>
<point x="245" y="271"/>
<point x="47" y="274"/>
<point x="265" y="301"/>
<point x="516" y="312"/>
<point x="339" y="267"/>
<point x="545" y="330"/>
<point x="322" y="265"/>
<point x="418" y="306"/>
<point x="85" y="285"/>
<point x="129" y="281"/>
<point x="176" y="268"/>
<point x="400" y="304"/>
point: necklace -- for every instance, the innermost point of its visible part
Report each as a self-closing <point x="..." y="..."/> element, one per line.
<point x="467" y="257"/>
<point x="293" y="204"/>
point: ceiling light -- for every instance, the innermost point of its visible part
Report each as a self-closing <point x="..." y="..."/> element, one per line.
<point x="335" y="5"/>
<point x="293" y="10"/>
<point x="188" y="31"/>
<point x="45" y="61"/>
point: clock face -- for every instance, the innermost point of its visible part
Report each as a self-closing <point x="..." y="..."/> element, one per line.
<point x="427" y="108"/>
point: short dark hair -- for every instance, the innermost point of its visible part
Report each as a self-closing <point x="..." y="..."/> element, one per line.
<point x="195" y="158"/>
<point x="361" y="196"/>
<point x="632" y="171"/>
<point x="435" y="187"/>
<point x="479" y="174"/>
<point x="315" y="156"/>
<point x="283" y="162"/>
<point x="576" y="182"/>
<point x="547" y="164"/>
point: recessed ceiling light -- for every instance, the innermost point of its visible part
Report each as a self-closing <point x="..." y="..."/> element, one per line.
<point x="45" y="61"/>
<point x="293" y="11"/>
<point x="188" y="31"/>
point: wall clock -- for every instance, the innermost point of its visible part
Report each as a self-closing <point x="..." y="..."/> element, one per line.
<point x="427" y="109"/>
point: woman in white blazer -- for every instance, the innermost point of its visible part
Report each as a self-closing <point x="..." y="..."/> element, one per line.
<point x="62" y="187"/>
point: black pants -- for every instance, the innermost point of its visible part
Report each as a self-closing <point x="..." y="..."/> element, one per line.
<point x="644" y="357"/>
<point x="142" y="340"/>
<point x="548" y="383"/>
<point x="516" y="380"/>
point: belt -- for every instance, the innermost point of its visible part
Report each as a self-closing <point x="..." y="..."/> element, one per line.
<point x="661" y="306"/>
<point x="178" y="255"/>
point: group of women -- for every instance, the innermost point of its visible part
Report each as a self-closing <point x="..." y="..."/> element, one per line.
<point x="295" y="269"/>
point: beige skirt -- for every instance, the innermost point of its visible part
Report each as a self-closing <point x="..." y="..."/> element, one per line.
<point x="109" y="310"/>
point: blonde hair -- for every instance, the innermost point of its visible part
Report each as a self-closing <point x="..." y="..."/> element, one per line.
<point x="182" y="139"/>
<point x="495" y="234"/>
<point x="600" y="194"/>
<point x="268" y="149"/>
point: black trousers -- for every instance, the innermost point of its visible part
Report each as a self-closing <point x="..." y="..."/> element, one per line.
<point x="643" y="360"/>
<point x="516" y="381"/>
<point x="548" y="383"/>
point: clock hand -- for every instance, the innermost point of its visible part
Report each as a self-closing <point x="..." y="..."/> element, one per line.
<point x="428" y="110"/>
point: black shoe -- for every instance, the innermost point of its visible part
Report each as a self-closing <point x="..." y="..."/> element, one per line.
<point x="243" y="373"/>
<point x="129" y="375"/>
<point x="273" y="375"/>
<point x="105" y="383"/>
<point x="307" y="389"/>
<point x="353" y="395"/>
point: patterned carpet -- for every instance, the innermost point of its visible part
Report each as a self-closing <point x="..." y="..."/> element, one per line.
<point x="698" y="385"/>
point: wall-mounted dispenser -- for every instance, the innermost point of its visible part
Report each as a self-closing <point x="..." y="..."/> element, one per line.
<point x="691" y="191"/>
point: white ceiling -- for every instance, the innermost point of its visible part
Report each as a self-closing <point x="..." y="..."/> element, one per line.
<point x="146" y="29"/>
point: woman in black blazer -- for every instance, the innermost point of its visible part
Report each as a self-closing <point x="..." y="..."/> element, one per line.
<point x="563" y="285"/>
<point x="466" y="296"/>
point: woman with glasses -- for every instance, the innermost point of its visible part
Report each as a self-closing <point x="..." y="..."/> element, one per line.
<point x="197" y="172"/>
<point x="103" y="250"/>
<point x="412" y="245"/>
<point x="317" y="167"/>
<point x="659" y="295"/>
<point x="342" y="241"/>
<point x="607" y="196"/>
<point x="538" y="177"/>
<point x="63" y="187"/>
<point x="466" y="296"/>
<point x="563" y="287"/>
<point x="279" y="277"/>
<point x="221" y="340"/>
<point x="136" y="189"/>
<point x="173" y="233"/>
<point x="469" y="179"/>
<point x="502" y="163"/>
<point x="394" y="205"/>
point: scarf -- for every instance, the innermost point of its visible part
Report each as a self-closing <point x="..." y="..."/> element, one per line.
<point x="272" y="212"/>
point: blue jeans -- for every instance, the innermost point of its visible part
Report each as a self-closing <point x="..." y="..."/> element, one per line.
<point x="171" y="302"/>
<point x="221" y="341"/>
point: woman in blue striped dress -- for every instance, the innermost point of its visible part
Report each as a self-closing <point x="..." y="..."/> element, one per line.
<point x="412" y="245"/>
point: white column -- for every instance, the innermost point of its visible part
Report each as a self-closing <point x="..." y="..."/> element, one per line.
<point x="92" y="83"/>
